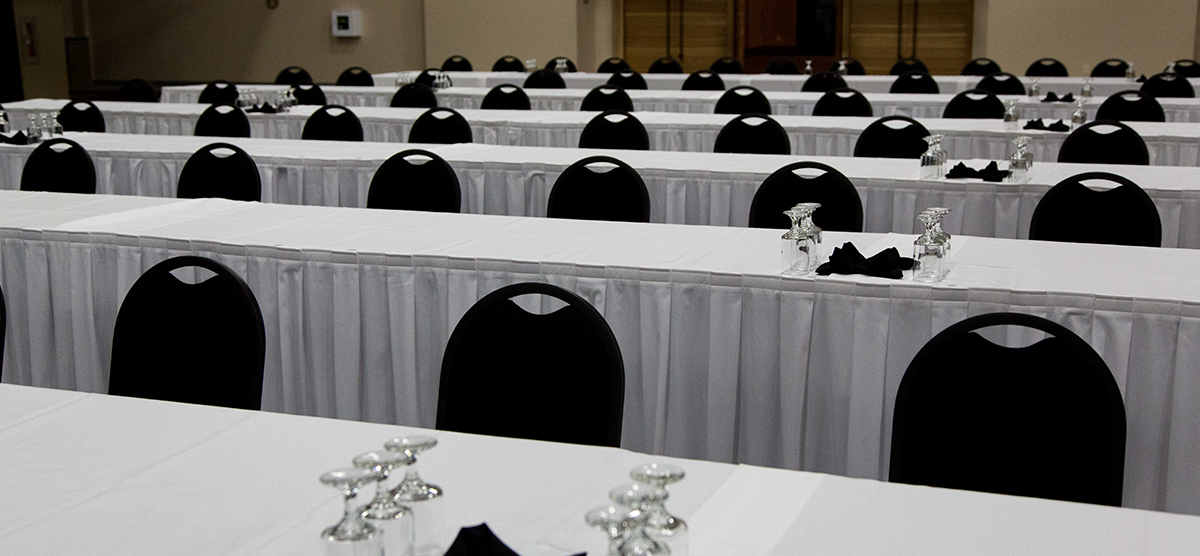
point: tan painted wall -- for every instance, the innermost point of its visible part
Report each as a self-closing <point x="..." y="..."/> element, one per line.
<point x="243" y="40"/>
<point x="48" y="77"/>
<point x="1149" y="33"/>
<point x="486" y="30"/>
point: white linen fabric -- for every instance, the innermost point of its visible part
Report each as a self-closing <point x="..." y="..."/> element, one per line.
<point x="685" y="188"/>
<point x="1170" y="144"/>
<point x="726" y="360"/>
<point x="144" y="473"/>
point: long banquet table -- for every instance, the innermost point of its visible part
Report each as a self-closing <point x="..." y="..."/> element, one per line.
<point x="105" y="475"/>
<point x="1170" y="144"/>
<point x="725" y="359"/>
<point x="685" y="188"/>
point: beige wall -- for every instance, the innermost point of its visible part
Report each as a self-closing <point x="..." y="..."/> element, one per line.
<point x="486" y="30"/>
<point x="1149" y="33"/>
<point x="243" y="40"/>
<point x="47" y="77"/>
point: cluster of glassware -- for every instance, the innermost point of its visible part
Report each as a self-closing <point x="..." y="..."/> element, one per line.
<point x="1129" y="73"/>
<point x="1020" y="162"/>
<point x="1079" y="116"/>
<point x="808" y="67"/>
<point x="560" y="66"/>
<point x="3" y="122"/>
<point x="636" y="521"/>
<point x="1087" y="89"/>
<point x="42" y="125"/>
<point x="281" y="101"/>
<point x="1034" y="89"/>
<point x="398" y="514"/>
<point x="801" y="244"/>
<point x="1012" y="114"/>
<point x="842" y="70"/>
<point x="933" y="161"/>
<point x="531" y="65"/>
<point x="931" y="249"/>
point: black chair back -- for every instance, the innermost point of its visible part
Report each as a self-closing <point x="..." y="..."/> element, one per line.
<point x="556" y="377"/>
<point x="355" y="77"/>
<point x="415" y="179"/>
<point x="552" y="65"/>
<point x="808" y="182"/>
<point x="1104" y="142"/>
<point x="783" y="66"/>
<point x="606" y="97"/>
<point x="1112" y="67"/>
<point x="414" y="95"/>
<point x="441" y="125"/>
<point x="222" y="120"/>
<point x="333" y="122"/>
<point x="509" y="63"/>
<point x="981" y="67"/>
<point x="915" y="82"/>
<point x="975" y="104"/>
<point x="1002" y="83"/>
<point x="666" y="64"/>
<point x="1045" y="420"/>
<point x="457" y="63"/>
<point x="726" y="64"/>
<point x="200" y="343"/>
<point x="59" y="165"/>
<point x="823" y="82"/>
<point x="293" y="75"/>
<point x="599" y="188"/>
<point x="906" y="65"/>
<point x="892" y="137"/>
<point x="81" y="115"/>
<point x="614" y="129"/>
<point x="743" y="99"/>
<point x="427" y="77"/>
<point x="613" y="65"/>
<point x="853" y="67"/>
<point x="628" y="80"/>
<point x="1186" y="68"/>
<point x="309" y="95"/>
<point x="545" y="79"/>
<point x="219" y="92"/>
<point x="753" y="134"/>
<point x="1168" y="85"/>
<point x="138" y="90"/>
<point x="1131" y="106"/>
<point x="843" y="102"/>
<point x="1046" y="67"/>
<point x="1073" y="212"/>
<point x="506" y="97"/>
<point x="220" y="170"/>
<point x="703" y="81"/>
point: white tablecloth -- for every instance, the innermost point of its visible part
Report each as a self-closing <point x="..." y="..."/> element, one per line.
<point x="685" y="188"/>
<point x="725" y="359"/>
<point x="147" y="477"/>
<point x="1170" y="144"/>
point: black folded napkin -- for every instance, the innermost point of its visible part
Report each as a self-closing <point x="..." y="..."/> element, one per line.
<point x="1058" y="126"/>
<point x="481" y="541"/>
<point x="264" y="108"/>
<point x="961" y="171"/>
<point x="847" y="260"/>
<point x="991" y="172"/>
<point x="1035" y="124"/>
<point x="1142" y="79"/>
<point x="18" y="138"/>
<point x="1051" y="97"/>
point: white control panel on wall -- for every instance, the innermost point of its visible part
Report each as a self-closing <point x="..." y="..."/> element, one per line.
<point x="346" y="23"/>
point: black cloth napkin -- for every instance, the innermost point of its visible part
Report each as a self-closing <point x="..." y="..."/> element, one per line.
<point x="18" y="138"/>
<point x="991" y="172"/>
<point x="1051" y="97"/>
<point x="264" y="108"/>
<point x="1035" y="124"/>
<point x="481" y="541"/>
<point x="1142" y="79"/>
<point x="847" y="260"/>
<point x="1058" y="126"/>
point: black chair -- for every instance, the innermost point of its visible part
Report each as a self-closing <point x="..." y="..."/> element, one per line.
<point x="628" y="80"/>
<point x="427" y="77"/>
<point x="703" y="81"/>
<point x="1074" y="212"/>
<point x="1045" y="420"/>
<point x="915" y="82"/>
<point x="613" y="65"/>
<point x="1186" y="68"/>
<point x="1104" y="142"/>
<point x="552" y="65"/>
<point x="843" y="102"/>
<point x="615" y="129"/>
<point x="355" y="77"/>
<point x="606" y="97"/>
<point x="892" y="137"/>
<point x="509" y="63"/>
<point x="853" y="67"/>
<point x="220" y="170"/>
<point x="783" y="66"/>
<point x="59" y="165"/>
<point x="981" y="67"/>
<point x="1112" y="67"/>
<point x="906" y="65"/>
<point x="808" y="182"/>
<point x="743" y="99"/>
<point x="415" y="179"/>
<point x="293" y="75"/>
<point x="666" y="64"/>
<point x="1131" y="106"/>
<point x="200" y="343"/>
<point x="3" y="324"/>
<point x="222" y="120"/>
<point x="457" y="63"/>
<point x="823" y="82"/>
<point x="506" y="97"/>
<point x="138" y="90"/>
<point x="414" y="95"/>
<point x="545" y="79"/>
<point x="1168" y="85"/>
<point x="219" y="92"/>
<point x="1002" y="83"/>
<point x="599" y="188"/>
<point x="555" y="377"/>
<point x="309" y="95"/>
<point x="333" y="122"/>
<point x="726" y="64"/>
<point x="974" y="104"/>
<point x="81" y="115"/>
<point x="441" y="125"/>
<point x="1046" y="67"/>
<point x="753" y="134"/>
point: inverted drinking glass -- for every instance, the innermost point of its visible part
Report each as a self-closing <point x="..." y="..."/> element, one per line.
<point x="384" y="505"/>
<point x="348" y="482"/>
<point x="646" y="500"/>
<point x="412" y="487"/>
<point x="614" y="521"/>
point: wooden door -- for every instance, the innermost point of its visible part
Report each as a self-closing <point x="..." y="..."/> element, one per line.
<point x="695" y="32"/>
<point x="879" y="32"/>
<point x="797" y="29"/>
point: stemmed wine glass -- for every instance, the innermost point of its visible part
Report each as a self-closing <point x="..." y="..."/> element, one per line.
<point x="791" y="245"/>
<point x="412" y="487"/>
<point x="384" y="505"/>
<point x="644" y="535"/>
<point x="614" y="521"/>
<point x="351" y="528"/>
<point x="661" y="475"/>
